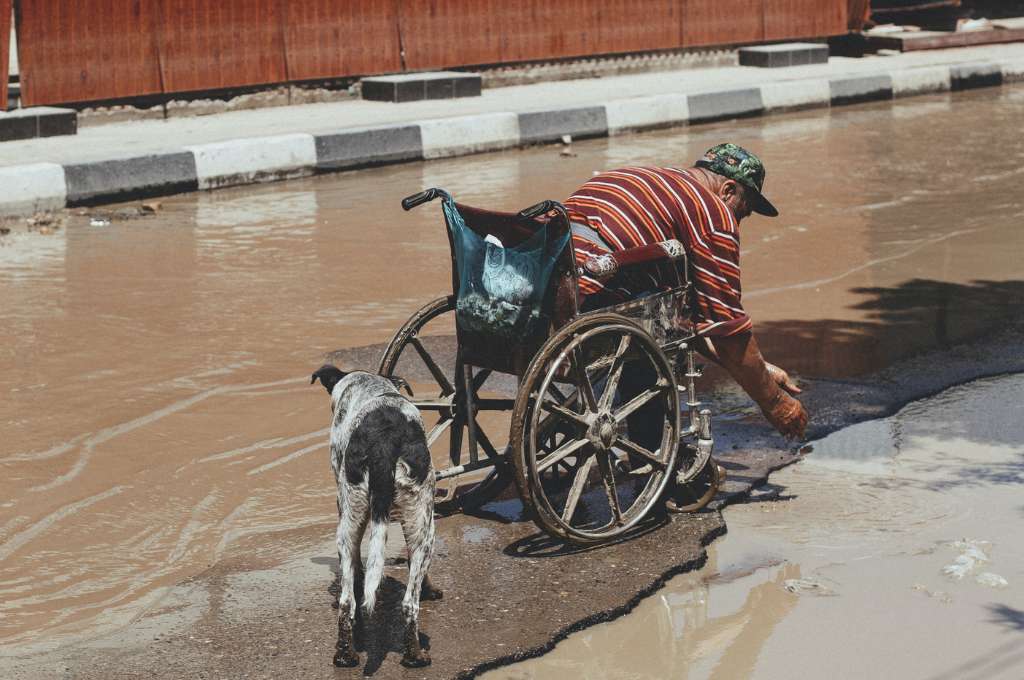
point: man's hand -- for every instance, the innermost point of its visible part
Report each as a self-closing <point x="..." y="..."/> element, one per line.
<point x="787" y="415"/>
<point x="766" y="384"/>
<point x="782" y="379"/>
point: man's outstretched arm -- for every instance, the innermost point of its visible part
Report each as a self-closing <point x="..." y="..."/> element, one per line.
<point x="741" y="357"/>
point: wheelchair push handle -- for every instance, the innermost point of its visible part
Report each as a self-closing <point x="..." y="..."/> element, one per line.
<point x="410" y="202"/>
<point x="537" y="210"/>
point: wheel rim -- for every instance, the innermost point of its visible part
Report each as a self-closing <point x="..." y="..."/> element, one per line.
<point x="588" y="478"/>
<point x="413" y="351"/>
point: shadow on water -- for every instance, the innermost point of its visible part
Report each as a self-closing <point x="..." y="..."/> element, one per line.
<point x="1008" y="617"/>
<point x="901" y="321"/>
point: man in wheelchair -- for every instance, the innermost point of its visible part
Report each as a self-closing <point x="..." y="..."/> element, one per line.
<point x="702" y="208"/>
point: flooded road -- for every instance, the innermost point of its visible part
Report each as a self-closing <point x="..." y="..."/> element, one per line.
<point x="156" y="408"/>
<point x="892" y="550"/>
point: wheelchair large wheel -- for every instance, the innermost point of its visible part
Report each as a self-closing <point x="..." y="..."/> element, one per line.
<point x="424" y="352"/>
<point x="595" y="429"/>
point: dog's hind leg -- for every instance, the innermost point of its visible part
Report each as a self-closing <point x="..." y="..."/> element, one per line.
<point x="351" y="520"/>
<point x="416" y="508"/>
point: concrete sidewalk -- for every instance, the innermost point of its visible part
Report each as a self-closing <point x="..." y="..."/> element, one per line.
<point x="149" y="158"/>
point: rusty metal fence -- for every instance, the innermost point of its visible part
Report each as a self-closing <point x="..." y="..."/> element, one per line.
<point x="103" y="50"/>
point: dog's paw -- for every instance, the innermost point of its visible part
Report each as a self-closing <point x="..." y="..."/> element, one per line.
<point x="346" y="659"/>
<point x="417" y="660"/>
<point x="428" y="594"/>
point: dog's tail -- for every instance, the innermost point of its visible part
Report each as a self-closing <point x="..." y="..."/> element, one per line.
<point x="382" y="495"/>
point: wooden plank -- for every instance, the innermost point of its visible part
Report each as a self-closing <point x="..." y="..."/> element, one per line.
<point x="329" y="39"/>
<point x="788" y="19"/>
<point x="5" y="50"/>
<point x="722" y="22"/>
<point x="219" y="44"/>
<point x="86" y="50"/>
<point x="934" y="40"/>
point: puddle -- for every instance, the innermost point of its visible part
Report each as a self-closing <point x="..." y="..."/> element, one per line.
<point x="908" y="569"/>
<point x="154" y="372"/>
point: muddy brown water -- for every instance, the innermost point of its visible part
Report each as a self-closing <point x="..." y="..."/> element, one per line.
<point x="892" y="550"/>
<point x="156" y="404"/>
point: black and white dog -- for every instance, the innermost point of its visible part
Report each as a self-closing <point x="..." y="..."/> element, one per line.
<point x="381" y="462"/>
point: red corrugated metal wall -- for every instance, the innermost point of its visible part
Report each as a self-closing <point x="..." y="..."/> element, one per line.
<point x="328" y="38"/>
<point x="215" y="44"/>
<point x="90" y="50"/>
<point x="785" y="19"/>
<point x="86" y="50"/>
<point x="5" y="49"/>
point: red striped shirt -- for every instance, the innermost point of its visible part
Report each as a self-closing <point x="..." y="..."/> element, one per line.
<point x="632" y="207"/>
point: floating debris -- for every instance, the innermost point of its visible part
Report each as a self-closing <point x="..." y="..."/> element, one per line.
<point x="970" y="557"/>
<point x="567" y="147"/>
<point x="810" y="586"/>
<point x="99" y="222"/>
<point x="992" y="580"/>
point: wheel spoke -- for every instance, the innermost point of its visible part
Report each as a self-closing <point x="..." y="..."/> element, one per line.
<point x="615" y="374"/>
<point x="561" y="452"/>
<point x="455" y="442"/>
<point x="545" y="425"/>
<point x="585" y="388"/>
<point x="443" y="423"/>
<point x="640" y="451"/>
<point x="608" y="475"/>
<point x="485" y="442"/>
<point x="565" y="414"/>
<point x="480" y="378"/>
<point x="636" y="402"/>
<point x="576" y="490"/>
<point x="435" y="370"/>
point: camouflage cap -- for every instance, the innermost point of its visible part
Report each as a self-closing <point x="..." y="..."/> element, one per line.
<point x="738" y="164"/>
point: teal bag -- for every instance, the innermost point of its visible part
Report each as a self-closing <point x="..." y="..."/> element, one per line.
<point x="501" y="289"/>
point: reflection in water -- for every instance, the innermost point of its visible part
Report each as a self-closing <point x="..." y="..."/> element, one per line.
<point x="154" y="372"/>
<point x="850" y="574"/>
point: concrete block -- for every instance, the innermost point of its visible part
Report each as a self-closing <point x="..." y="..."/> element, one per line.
<point x="1013" y="71"/>
<point x="971" y="76"/>
<point x="18" y="124"/>
<point x="469" y="134"/>
<point x="37" y="121"/>
<point x="791" y="95"/>
<point x="54" y="122"/>
<point x="710" y="106"/>
<point x="245" y="161"/>
<point x="122" y="179"/>
<point x="35" y="187"/>
<point x="408" y="87"/>
<point x="546" y="126"/>
<point x="641" y="113"/>
<point x="785" y="54"/>
<point x="854" y="89"/>
<point x="371" y="146"/>
<point x="913" y="81"/>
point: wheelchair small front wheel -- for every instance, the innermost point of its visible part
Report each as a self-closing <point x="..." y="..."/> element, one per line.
<point x="696" y="494"/>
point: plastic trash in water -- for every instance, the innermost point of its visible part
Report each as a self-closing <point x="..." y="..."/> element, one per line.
<point x="992" y="580"/>
<point x="811" y="586"/>
<point x="970" y="557"/>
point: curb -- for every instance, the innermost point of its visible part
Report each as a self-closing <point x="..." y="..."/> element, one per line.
<point x="29" y="188"/>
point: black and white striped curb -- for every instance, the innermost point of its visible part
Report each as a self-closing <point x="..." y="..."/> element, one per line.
<point x="29" y="188"/>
